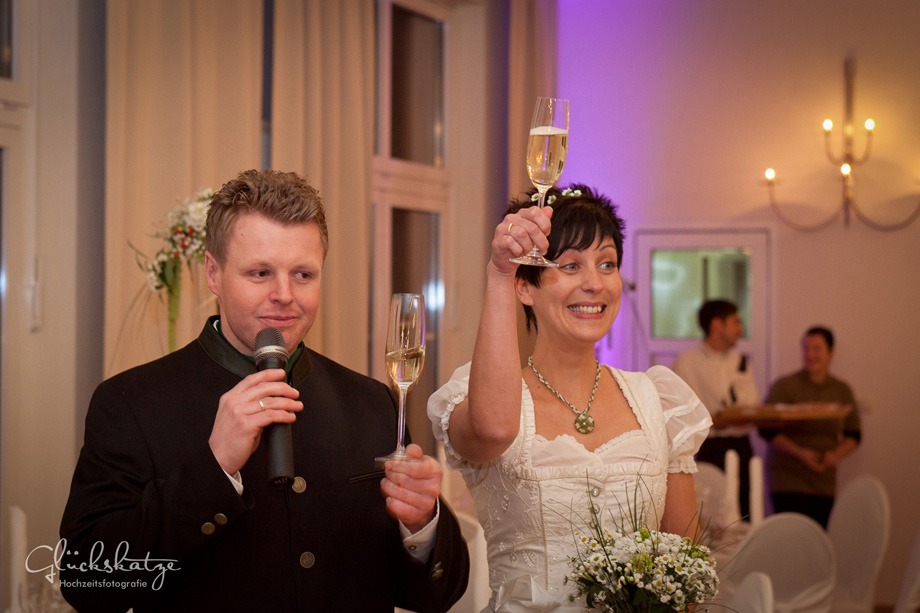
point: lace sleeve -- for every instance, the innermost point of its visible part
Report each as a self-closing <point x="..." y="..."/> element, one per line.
<point x="441" y="406"/>
<point x="686" y="419"/>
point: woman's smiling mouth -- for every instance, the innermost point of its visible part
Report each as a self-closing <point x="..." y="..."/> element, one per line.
<point x="587" y="310"/>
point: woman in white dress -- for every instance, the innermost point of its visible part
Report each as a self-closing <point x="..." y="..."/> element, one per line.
<point x="535" y="445"/>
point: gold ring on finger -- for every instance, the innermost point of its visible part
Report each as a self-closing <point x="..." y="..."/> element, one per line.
<point x="510" y="225"/>
<point x="261" y="405"/>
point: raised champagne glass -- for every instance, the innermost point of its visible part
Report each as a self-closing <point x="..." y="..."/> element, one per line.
<point x="546" y="147"/>
<point x="405" y="358"/>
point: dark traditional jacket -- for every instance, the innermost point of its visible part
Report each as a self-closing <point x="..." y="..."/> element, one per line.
<point x="154" y="523"/>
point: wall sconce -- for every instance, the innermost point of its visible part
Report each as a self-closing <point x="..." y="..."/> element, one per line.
<point x="847" y="162"/>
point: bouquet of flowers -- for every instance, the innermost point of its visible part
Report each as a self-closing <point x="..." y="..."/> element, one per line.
<point x="633" y="571"/>
<point x="183" y="242"/>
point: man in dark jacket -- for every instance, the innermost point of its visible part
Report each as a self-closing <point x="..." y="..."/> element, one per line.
<point x="170" y="507"/>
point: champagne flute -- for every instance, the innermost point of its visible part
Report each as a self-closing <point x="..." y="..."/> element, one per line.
<point x="405" y="357"/>
<point x="546" y="148"/>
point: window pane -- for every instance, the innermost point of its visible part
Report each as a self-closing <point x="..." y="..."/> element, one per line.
<point x="6" y="39"/>
<point x="416" y="270"/>
<point x="683" y="279"/>
<point x="416" y="122"/>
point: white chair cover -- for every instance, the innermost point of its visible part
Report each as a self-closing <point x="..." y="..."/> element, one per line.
<point x="796" y="553"/>
<point x="455" y="492"/>
<point x="859" y="528"/>
<point x="754" y="595"/>
<point x="710" y="486"/>
<point x="478" y="592"/>
<point x="909" y="598"/>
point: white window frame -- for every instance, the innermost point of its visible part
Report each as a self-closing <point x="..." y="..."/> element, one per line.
<point x="759" y="341"/>
<point x="19" y="314"/>
<point x="19" y="290"/>
<point x="401" y="184"/>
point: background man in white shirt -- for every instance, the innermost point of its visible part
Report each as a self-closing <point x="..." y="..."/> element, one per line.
<point x="720" y="376"/>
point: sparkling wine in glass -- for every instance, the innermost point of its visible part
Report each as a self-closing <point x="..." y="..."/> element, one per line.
<point x="546" y="148"/>
<point x="405" y="358"/>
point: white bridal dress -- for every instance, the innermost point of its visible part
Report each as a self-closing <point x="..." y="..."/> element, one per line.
<point x="530" y="500"/>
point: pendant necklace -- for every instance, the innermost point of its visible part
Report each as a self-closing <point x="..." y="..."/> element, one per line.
<point x="584" y="423"/>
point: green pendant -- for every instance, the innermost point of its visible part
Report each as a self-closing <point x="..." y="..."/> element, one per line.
<point x="584" y="423"/>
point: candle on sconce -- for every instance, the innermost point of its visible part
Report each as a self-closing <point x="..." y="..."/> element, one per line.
<point x="731" y="513"/>
<point x="845" y="163"/>
<point x="757" y="493"/>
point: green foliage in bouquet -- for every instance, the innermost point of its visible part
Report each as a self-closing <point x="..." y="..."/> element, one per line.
<point x="638" y="570"/>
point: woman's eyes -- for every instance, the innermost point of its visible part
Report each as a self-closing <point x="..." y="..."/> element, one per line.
<point x="574" y="266"/>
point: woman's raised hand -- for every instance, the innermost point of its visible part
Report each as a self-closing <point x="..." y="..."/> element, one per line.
<point x="517" y="234"/>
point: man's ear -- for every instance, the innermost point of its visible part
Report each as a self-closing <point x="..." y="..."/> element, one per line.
<point x="211" y="269"/>
<point x="522" y="288"/>
<point x="716" y="325"/>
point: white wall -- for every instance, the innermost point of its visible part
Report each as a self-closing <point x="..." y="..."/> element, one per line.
<point x="56" y="216"/>
<point x="676" y="110"/>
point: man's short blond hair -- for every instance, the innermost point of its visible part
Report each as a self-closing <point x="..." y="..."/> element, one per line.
<point x="283" y="197"/>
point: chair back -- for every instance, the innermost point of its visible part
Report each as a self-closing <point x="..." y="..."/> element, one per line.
<point x="478" y="592"/>
<point x="909" y="598"/>
<point x="796" y="553"/>
<point x="859" y="528"/>
<point x="710" y="486"/>
<point x="754" y="594"/>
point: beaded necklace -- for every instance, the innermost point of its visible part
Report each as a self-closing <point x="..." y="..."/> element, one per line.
<point x="584" y="423"/>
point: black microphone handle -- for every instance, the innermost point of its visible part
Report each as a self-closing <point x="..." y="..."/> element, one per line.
<point x="278" y="445"/>
<point x="270" y="353"/>
<point x="280" y="451"/>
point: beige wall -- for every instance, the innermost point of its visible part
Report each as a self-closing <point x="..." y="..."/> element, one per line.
<point x="681" y="109"/>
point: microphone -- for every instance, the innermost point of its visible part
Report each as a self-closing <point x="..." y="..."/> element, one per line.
<point x="270" y="352"/>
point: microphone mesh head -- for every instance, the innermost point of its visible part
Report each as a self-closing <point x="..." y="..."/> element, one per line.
<point x="269" y="336"/>
<point x="270" y="344"/>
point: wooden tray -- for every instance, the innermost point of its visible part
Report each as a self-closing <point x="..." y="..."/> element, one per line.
<point x="769" y="414"/>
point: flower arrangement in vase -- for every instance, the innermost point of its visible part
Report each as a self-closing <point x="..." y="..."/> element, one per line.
<point x="183" y="243"/>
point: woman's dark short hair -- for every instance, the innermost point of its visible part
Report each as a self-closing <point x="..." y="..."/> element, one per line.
<point x="581" y="217"/>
